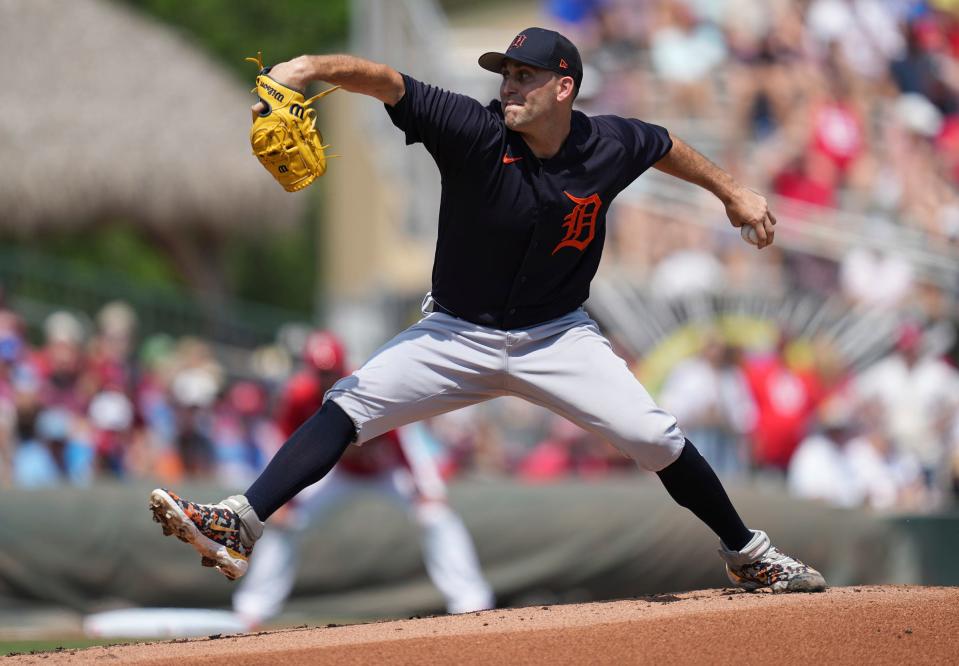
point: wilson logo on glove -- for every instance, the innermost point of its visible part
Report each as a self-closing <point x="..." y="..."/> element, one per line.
<point x="284" y="136"/>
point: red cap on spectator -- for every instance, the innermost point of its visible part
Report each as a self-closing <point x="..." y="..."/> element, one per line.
<point x="247" y="398"/>
<point x="325" y="352"/>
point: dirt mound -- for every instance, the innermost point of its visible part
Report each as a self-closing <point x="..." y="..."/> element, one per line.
<point x="890" y="624"/>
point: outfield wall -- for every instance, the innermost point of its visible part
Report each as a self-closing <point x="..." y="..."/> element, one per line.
<point x="95" y="549"/>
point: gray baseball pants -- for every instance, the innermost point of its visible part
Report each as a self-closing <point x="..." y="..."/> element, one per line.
<point x="442" y="363"/>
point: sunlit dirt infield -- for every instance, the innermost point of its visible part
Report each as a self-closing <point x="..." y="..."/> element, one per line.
<point x="855" y="625"/>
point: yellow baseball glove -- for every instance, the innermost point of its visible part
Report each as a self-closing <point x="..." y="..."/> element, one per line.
<point x="284" y="135"/>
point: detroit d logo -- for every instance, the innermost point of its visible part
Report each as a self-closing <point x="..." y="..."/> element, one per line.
<point x="580" y="224"/>
<point x="518" y="42"/>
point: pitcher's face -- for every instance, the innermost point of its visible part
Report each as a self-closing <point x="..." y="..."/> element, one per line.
<point x="527" y="93"/>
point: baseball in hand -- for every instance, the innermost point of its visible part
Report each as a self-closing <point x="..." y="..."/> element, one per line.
<point x="749" y="234"/>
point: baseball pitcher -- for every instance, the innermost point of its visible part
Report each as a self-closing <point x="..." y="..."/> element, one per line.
<point x="527" y="182"/>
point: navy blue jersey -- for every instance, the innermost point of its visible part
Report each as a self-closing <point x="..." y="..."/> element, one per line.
<point x="520" y="238"/>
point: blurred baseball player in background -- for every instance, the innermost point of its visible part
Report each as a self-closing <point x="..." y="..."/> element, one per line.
<point x="400" y="468"/>
<point x="527" y="182"/>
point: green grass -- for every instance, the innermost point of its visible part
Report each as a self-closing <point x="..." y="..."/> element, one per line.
<point x="8" y="647"/>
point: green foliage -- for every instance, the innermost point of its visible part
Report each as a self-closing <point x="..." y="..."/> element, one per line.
<point x="453" y="6"/>
<point x="119" y="248"/>
<point x="234" y="30"/>
<point x="278" y="268"/>
<point x="274" y="268"/>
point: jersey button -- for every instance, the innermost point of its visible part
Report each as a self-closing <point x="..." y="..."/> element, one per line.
<point x="512" y="311"/>
<point x="523" y="279"/>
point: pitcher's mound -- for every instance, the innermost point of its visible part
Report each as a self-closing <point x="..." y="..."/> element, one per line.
<point x="862" y="625"/>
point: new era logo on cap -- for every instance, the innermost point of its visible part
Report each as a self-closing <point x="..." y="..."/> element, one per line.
<point x="542" y="48"/>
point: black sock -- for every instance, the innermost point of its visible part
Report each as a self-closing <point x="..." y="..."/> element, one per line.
<point x="693" y="484"/>
<point x="306" y="457"/>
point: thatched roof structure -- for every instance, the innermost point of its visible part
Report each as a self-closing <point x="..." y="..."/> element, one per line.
<point x="110" y="114"/>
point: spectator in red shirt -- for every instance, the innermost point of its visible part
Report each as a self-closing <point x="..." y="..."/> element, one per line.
<point x="785" y="401"/>
<point x="810" y="179"/>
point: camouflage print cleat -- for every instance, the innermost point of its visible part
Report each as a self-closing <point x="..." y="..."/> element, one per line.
<point x="214" y="530"/>
<point x="761" y="565"/>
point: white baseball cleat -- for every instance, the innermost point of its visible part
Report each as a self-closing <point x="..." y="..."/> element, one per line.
<point x="761" y="565"/>
<point x="212" y="529"/>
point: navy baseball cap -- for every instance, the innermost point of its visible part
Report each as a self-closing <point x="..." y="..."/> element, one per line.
<point x="546" y="49"/>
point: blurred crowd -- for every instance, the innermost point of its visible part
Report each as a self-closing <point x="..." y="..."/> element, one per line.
<point x="90" y="402"/>
<point x="885" y="437"/>
<point x="93" y="402"/>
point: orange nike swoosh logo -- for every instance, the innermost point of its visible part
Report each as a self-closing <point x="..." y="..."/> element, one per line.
<point x="509" y="159"/>
<point x="219" y="528"/>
